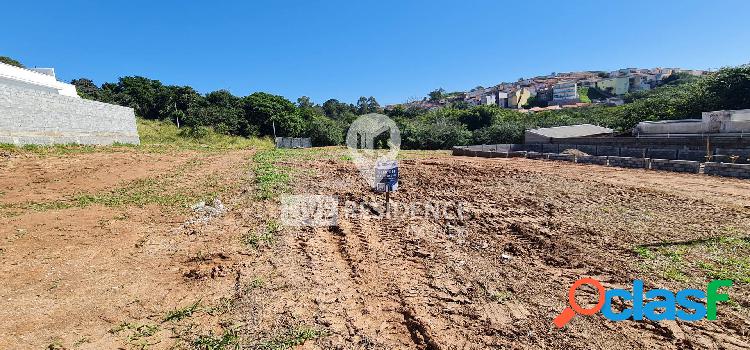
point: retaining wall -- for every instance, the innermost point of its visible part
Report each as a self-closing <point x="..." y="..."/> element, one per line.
<point x="680" y="166"/>
<point x="628" y="162"/>
<point x="38" y="117"/>
<point x="563" y="157"/>
<point x="741" y="171"/>
<point x="600" y="160"/>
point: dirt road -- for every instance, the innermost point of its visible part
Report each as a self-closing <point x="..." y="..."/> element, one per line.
<point x="476" y="254"/>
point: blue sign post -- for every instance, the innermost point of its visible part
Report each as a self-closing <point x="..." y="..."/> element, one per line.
<point x="387" y="174"/>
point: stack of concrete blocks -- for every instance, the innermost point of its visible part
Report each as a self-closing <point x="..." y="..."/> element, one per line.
<point x="43" y="118"/>
<point x="680" y="166"/>
<point x="628" y="162"/>
<point x="293" y="142"/>
<point x="562" y="156"/>
<point x="534" y="155"/>
<point x="599" y="160"/>
<point x="741" y="171"/>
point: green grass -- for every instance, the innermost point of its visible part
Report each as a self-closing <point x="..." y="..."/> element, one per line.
<point x="182" y="313"/>
<point x="291" y="339"/>
<point x="161" y="133"/>
<point x="270" y="178"/>
<point x="723" y="257"/>
<point x="211" y="341"/>
<point x="156" y="136"/>
<point x="137" y="335"/>
<point x="263" y="239"/>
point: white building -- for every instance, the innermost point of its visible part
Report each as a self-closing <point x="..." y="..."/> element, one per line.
<point x="39" y="79"/>
<point x="565" y="92"/>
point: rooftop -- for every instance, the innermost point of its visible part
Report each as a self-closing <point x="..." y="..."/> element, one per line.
<point x="571" y="131"/>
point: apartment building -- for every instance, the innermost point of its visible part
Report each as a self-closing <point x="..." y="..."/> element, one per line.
<point x="565" y="92"/>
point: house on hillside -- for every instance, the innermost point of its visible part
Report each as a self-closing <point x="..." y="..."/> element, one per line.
<point x="614" y="86"/>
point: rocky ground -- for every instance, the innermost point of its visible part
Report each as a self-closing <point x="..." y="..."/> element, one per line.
<point x="103" y="250"/>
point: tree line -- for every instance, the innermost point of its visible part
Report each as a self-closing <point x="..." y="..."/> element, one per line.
<point x="458" y="124"/>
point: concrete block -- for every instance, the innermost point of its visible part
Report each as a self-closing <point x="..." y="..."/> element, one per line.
<point x="592" y="160"/>
<point x="661" y="153"/>
<point x="632" y="152"/>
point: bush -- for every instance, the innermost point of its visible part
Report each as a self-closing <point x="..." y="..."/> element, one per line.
<point x="437" y="134"/>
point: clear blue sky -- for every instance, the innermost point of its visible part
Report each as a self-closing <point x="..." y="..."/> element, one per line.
<point x="389" y="49"/>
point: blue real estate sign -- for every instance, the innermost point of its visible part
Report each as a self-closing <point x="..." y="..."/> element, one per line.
<point x="387" y="172"/>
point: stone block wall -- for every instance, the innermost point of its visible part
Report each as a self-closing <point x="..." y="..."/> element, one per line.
<point x="628" y="162"/>
<point x="563" y="157"/>
<point x="632" y="152"/>
<point x="43" y="118"/>
<point x="681" y="166"/>
<point x="592" y="160"/>
<point x="741" y="171"/>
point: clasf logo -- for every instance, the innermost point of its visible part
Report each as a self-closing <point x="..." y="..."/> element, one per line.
<point x="662" y="299"/>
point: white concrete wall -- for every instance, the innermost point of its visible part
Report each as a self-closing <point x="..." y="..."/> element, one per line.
<point x="30" y="116"/>
<point x="29" y="79"/>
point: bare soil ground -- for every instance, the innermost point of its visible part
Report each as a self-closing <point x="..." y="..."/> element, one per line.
<point x="96" y="253"/>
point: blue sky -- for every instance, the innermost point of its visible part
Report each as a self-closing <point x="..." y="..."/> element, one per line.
<point x="393" y="50"/>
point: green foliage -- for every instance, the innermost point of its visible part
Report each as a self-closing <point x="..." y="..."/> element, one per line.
<point x="437" y="94"/>
<point x="210" y="341"/>
<point x="158" y="133"/>
<point x="324" y="131"/>
<point x="10" y="61"/>
<point x="266" y="111"/>
<point x="441" y="133"/>
<point x="182" y="313"/>
<point x="583" y="94"/>
<point x="221" y="113"/>
<point x="270" y="178"/>
<point x="291" y="339"/>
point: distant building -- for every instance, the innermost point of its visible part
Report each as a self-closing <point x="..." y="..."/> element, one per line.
<point x="639" y="82"/>
<point x="564" y="93"/>
<point x="614" y="86"/>
<point x="519" y="98"/>
<point x="495" y="98"/>
<point x="545" y="135"/>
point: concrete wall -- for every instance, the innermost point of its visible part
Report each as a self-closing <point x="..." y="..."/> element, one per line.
<point x="293" y="142"/>
<point x="684" y="166"/>
<point x="681" y="166"/>
<point x="592" y="160"/>
<point x="741" y="171"/>
<point x="34" y="80"/>
<point x="37" y="117"/>
<point x="628" y="162"/>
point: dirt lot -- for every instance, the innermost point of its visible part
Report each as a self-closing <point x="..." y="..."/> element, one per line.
<point x="102" y="250"/>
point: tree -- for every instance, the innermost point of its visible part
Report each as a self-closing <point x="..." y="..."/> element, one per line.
<point x="337" y="110"/>
<point x="305" y="102"/>
<point x="10" y="61"/>
<point x="87" y="89"/>
<point x="265" y="110"/>
<point x="324" y="131"/>
<point x="437" y="94"/>
<point x="226" y="111"/>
